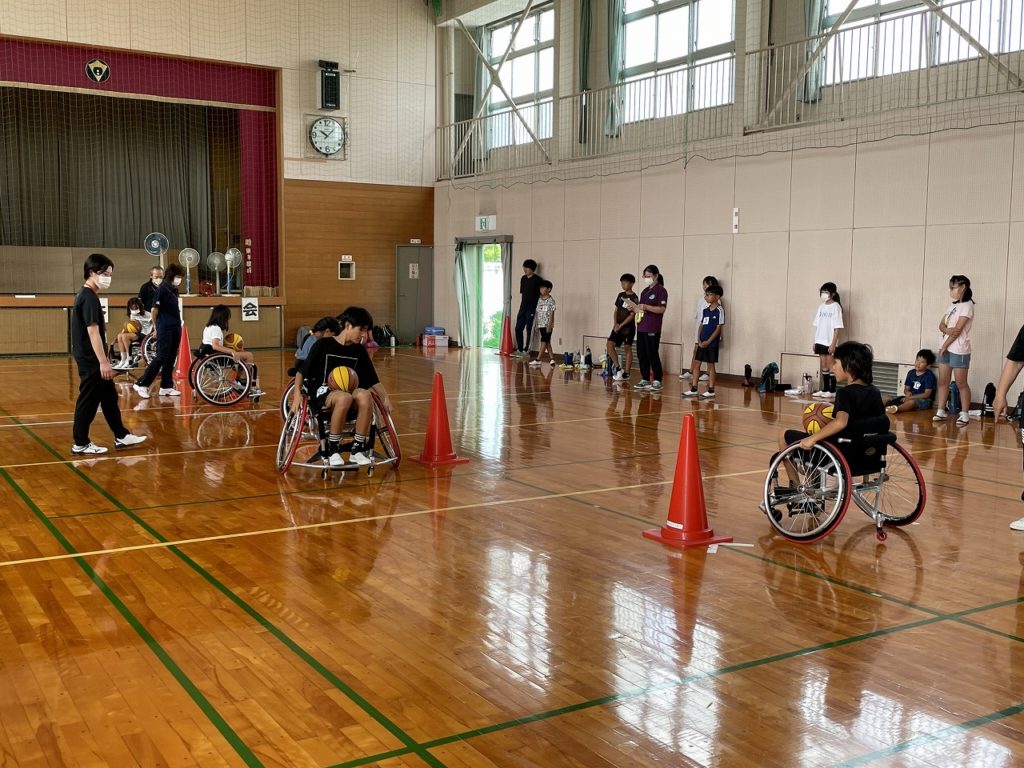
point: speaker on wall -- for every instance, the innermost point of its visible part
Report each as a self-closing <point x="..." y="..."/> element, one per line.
<point x="330" y="85"/>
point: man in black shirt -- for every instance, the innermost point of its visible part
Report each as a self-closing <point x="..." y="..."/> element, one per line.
<point x="1012" y="367"/>
<point x="147" y="292"/>
<point x="529" y="289"/>
<point x="89" y="344"/>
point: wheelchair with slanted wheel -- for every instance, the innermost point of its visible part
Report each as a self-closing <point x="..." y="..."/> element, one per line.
<point x="220" y="379"/>
<point x="807" y="492"/>
<point x="303" y="440"/>
<point x="140" y="354"/>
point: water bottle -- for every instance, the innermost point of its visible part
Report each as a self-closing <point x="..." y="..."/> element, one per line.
<point x="576" y="360"/>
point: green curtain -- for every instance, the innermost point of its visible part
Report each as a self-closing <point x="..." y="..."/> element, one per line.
<point x="467" y="292"/>
<point x="613" y="120"/>
<point x="584" y="65"/>
<point x="814" y="18"/>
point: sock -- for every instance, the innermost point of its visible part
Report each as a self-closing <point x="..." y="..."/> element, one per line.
<point x="831" y="382"/>
<point x="333" y="443"/>
<point x="359" y="443"/>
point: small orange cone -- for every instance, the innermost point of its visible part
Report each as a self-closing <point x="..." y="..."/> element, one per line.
<point x="184" y="364"/>
<point x="687" y="524"/>
<point x="506" y="348"/>
<point x="437" y="448"/>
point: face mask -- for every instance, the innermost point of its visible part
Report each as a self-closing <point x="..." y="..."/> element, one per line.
<point x="177" y="282"/>
<point x="648" y="281"/>
<point x="104" y="281"/>
<point x="157" y="280"/>
<point x="825" y="296"/>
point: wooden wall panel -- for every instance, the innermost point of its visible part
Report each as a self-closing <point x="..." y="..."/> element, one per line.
<point x="322" y="221"/>
<point x="256" y="334"/>
<point x="34" y="330"/>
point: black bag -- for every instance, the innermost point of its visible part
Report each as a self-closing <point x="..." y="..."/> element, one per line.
<point x="990" y="396"/>
<point x="747" y="373"/>
<point x="768" y="383"/>
<point x="1018" y="412"/>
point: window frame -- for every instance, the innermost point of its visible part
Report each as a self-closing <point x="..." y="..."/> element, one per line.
<point x="693" y="54"/>
<point x="537" y="97"/>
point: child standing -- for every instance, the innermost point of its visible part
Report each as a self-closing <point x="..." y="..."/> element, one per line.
<point x="623" y="326"/>
<point x="699" y="318"/>
<point x="827" y="322"/>
<point x="709" y="338"/>
<point x="650" y="311"/>
<point x="955" y="352"/>
<point x="919" y="387"/>
<point x="545" y="319"/>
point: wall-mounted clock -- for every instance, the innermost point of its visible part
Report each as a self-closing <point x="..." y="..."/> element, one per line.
<point x="327" y="136"/>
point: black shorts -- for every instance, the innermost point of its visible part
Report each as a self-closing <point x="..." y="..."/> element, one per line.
<point x="821" y="349"/>
<point x="319" y="405"/>
<point x="545" y="335"/>
<point x="707" y="354"/>
<point x="624" y="338"/>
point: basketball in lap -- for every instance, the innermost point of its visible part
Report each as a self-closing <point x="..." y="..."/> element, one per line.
<point x="342" y="379"/>
<point x="816" y="416"/>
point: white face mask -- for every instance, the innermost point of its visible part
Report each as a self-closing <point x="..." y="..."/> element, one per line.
<point x="104" y="281"/>
<point x="157" y="280"/>
<point x="176" y="282"/>
<point x="825" y="296"/>
<point x="648" y="280"/>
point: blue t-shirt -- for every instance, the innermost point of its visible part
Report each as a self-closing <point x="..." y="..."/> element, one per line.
<point x="918" y="384"/>
<point x="709" y="321"/>
<point x="166" y="300"/>
<point x="307" y="345"/>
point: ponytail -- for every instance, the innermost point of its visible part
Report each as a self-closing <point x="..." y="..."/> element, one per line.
<point x="656" y="272"/>
<point x="832" y="291"/>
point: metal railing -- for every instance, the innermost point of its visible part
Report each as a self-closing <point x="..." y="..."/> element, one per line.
<point x="900" y="61"/>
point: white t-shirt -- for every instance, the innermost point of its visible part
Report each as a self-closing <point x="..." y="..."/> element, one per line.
<point x="145" y="320"/>
<point x="213" y="333"/>
<point x="828" y="318"/>
<point x="545" y="308"/>
<point x="961" y="344"/>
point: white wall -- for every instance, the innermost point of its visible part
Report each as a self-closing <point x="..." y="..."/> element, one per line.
<point x="389" y="101"/>
<point x="887" y="221"/>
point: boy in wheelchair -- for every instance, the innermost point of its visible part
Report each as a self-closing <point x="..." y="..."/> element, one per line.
<point x="344" y="348"/>
<point x="858" y="408"/>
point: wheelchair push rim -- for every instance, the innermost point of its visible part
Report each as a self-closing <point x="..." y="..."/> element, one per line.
<point x="903" y="495"/>
<point x="291" y="436"/>
<point x="220" y="379"/>
<point x="811" y="508"/>
<point x="386" y="430"/>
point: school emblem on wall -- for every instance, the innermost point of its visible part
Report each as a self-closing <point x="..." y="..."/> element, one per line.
<point x="97" y="70"/>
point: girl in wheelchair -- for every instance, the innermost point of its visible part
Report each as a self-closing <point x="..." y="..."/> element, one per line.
<point x="213" y="341"/>
<point x="344" y="348"/>
<point x="138" y="326"/>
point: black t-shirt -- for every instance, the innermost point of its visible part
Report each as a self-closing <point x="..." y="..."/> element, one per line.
<point x="863" y="404"/>
<point x="87" y="311"/>
<point x="1016" y="353"/>
<point x="146" y="295"/>
<point x="529" y="287"/>
<point x="622" y="312"/>
<point x="166" y="300"/>
<point x="327" y="354"/>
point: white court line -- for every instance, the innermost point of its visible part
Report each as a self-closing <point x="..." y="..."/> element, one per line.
<point x="333" y="523"/>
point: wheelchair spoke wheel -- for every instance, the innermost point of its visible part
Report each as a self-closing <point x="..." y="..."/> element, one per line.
<point x="386" y="430"/>
<point x="149" y="349"/>
<point x="220" y="380"/>
<point x="902" y="496"/>
<point x="286" y="399"/>
<point x="806" y="493"/>
<point x="291" y="436"/>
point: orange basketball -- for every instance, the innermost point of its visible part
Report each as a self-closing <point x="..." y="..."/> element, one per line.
<point x="342" y="379"/>
<point x="132" y="327"/>
<point x="816" y="416"/>
<point x="233" y="340"/>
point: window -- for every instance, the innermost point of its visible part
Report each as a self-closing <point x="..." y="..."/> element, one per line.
<point x="887" y="37"/>
<point x="677" y="56"/>
<point x="528" y="76"/>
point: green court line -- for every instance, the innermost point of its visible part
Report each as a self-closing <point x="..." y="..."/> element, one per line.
<point x="277" y="633"/>
<point x="165" y="658"/>
<point x="931" y="738"/>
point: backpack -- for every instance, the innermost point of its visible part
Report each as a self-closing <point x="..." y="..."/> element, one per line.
<point x="953" y="402"/>
<point x="1017" y="413"/>
<point x="383" y="334"/>
<point x="767" y="383"/>
<point x="990" y="396"/>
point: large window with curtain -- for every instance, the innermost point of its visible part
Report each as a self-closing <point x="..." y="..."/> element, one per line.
<point x="677" y="56"/>
<point x="528" y="75"/>
<point x="882" y="37"/>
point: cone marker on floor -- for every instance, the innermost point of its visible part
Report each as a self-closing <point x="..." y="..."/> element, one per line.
<point x="687" y="524"/>
<point x="184" y="364"/>
<point x="506" y="348"/>
<point x="437" y="448"/>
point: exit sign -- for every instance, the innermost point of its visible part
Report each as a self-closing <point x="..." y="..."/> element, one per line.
<point x="486" y="223"/>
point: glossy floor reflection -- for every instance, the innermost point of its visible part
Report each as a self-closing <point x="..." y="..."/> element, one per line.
<point x="183" y="603"/>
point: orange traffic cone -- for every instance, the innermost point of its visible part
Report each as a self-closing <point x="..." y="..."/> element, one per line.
<point x="184" y="364"/>
<point x="437" y="448"/>
<point x="506" y="348"/>
<point x="687" y="524"/>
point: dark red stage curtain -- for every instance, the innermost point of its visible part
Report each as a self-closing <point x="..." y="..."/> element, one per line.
<point x="258" y="133"/>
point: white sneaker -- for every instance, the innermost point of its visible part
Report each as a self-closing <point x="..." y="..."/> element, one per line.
<point x="709" y="394"/>
<point x="684" y="375"/>
<point x="963" y="419"/>
<point x="335" y="460"/>
<point x="129" y="440"/>
<point x="121" y="365"/>
<point x="1017" y="525"/>
<point x="642" y="384"/>
<point x="829" y="395"/>
<point x="692" y="392"/>
<point x="171" y="392"/>
<point x="703" y="377"/>
<point x="620" y="376"/>
<point x="141" y="391"/>
<point x="535" y="363"/>
<point x="88" y="450"/>
<point x="820" y="393"/>
<point x="940" y="415"/>
<point x="362" y="458"/>
<point x="656" y="385"/>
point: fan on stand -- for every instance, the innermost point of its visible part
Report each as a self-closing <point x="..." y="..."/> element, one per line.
<point x="233" y="257"/>
<point x="188" y="258"/>
<point x="155" y="245"/>
<point x="217" y="263"/>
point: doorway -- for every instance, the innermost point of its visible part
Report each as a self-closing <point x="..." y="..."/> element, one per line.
<point x="414" y="279"/>
<point x="482" y="290"/>
<point x="492" y="295"/>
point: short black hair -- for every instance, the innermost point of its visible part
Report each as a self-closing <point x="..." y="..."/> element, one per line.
<point x="710" y="280"/>
<point x="530" y="264"/>
<point x="927" y="354"/>
<point x="716" y="289"/>
<point x="173" y="271"/>
<point x="546" y="284"/>
<point x="357" y="317"/>
<point x="856" y="359"/>
<point x="327" y="324"/>
<point x="95" y="262"/>
<point x="627" y="277"/>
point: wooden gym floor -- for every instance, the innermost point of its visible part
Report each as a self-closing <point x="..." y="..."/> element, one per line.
<point x="182" y="604"/>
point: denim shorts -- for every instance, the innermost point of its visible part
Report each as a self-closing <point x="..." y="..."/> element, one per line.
<point x="954" y="360"/>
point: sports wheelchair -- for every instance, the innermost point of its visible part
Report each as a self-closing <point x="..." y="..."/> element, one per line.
<point x="220" y="379"/>
<point x="302" y="425"/>
<point x="140" y="353"/>
<point x="876" y="472"/>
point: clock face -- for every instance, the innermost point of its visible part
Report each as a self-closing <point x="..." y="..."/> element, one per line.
<point x="327" y="135"/>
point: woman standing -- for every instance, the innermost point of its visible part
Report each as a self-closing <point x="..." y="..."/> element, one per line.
<point x="955" y="352"/>
<point x="649" y="315"/>
<point x="166" y="317"/>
